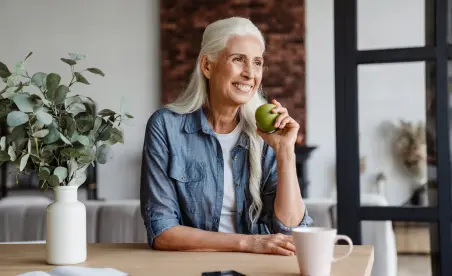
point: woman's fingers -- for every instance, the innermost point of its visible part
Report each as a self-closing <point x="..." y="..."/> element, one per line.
<point x="280" y="119"/>
<point x="282" y="251"/>
<point x="285" y="122"/>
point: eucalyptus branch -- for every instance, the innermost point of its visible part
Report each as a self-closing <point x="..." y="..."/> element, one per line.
<point x="54" y="134"/>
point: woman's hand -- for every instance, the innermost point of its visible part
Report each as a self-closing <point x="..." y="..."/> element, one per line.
<point x="286" y="133"/>
<point x="277" y="244"/>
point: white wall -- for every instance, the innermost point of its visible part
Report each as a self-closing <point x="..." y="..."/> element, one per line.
<point x="387" y="92"/>
<point x="117" y="36"/>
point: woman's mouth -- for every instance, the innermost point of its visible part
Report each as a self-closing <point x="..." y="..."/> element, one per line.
<point x="243" y="87"/>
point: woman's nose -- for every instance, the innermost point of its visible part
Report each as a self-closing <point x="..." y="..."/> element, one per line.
<point x="248" y="71"/>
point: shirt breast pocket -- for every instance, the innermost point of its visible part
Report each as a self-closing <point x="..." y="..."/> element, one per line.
<point x="189" y="177"/>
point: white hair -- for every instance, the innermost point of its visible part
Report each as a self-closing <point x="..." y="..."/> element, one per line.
<point x="195" y="96"/>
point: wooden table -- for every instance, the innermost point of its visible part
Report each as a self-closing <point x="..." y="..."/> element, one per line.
<point x="138" y="259"/>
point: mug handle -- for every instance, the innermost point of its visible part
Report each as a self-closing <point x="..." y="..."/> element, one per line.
<point x="350" y="246"/>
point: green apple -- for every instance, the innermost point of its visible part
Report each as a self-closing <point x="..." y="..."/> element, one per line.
<point x="265" y="119"/>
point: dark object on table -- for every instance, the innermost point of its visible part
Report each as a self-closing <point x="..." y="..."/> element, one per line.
<point x="302" y="154"/>
<point x="223" y="273"/>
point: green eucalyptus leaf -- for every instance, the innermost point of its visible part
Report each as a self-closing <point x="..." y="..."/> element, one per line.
<point x="35" y="159"/>
<point x="104" y="154"/>
<point x="4" y="156"/>
<point x="65" y="140"/>
<point x="12" y="153"/>
<point x="46" y="155"/>
<point x="18" y="133"/>
<point x="77" y="57"/>
<point x="9" y="93"/>
<point x="61" y="172"/>
<point x="129" y="116"/>
<point x="38" y="125"/>
<point x="106" y="133"/>
<point x="71" y="100"/>
<point x="44" y="117"/>
<point x="97" y="124"/>
<point x="84" y="140"/>
<point x="4" y="71"/>
<point x="80" y="78"/>
<point x="73" y="167"/>
<point x="23" y="102"/>
<point x="44" y="175"/>
<point x="52" y="137"/>
<point x="16" y="118"/>
<point x="50" y="148"/>
<point x="41" y="133"/>
<point x="85" y="124"/>
<point x="86" y="99"/>
<point x="87" y="154"/>
<point x="23" y="161"/>
<point x="70" y="152"/>
<point x="39" y="80"/>
<point x="76" y="108"/>
<point x="89" y="108"/>
<point x="69" y="61"/>
<point x="3" y="143"/>
<point x="106" y="112"/>
<point x="54" y="181"/>
<point x="60" y="94"/>
<point x="19" y="69"/>
<point x="116" y="136"/>
<point x="79" y="176"/>
<point x="68" y="125"/>
<point x="45" y="169"/>
<point x="13" y="80"/>
<point x="52" y="82"/>
<point x="96" y="71"/>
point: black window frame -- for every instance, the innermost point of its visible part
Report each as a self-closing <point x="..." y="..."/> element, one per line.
<point x="350" y="213"/>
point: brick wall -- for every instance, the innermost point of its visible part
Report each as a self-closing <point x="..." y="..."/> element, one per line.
<point x="282" y="23"/>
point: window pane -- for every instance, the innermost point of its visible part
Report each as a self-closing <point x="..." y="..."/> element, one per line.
<point x="390" y="24"/>
<point x="392" y="143"/>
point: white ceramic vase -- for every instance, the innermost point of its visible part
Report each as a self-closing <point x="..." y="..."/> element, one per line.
<point x="66" y="228"/>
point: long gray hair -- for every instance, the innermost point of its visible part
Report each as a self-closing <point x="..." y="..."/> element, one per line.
<point x="195" y="96"/>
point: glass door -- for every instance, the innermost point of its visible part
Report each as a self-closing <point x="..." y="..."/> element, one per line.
<point x="393" y="125"/>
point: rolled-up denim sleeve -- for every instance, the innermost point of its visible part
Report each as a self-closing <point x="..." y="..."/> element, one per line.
<point x="158" y="197"/>
<point x="270" y="183"/>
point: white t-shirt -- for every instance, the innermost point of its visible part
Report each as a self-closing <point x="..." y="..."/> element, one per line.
<point x="229" y="209"/>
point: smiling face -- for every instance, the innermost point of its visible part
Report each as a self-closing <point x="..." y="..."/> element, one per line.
<point x="237" y="72"/>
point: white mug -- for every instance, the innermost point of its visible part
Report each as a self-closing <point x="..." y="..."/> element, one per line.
<point x="315" y="248"/>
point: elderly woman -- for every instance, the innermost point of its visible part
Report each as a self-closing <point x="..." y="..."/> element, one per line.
<point x="211" y="180"/>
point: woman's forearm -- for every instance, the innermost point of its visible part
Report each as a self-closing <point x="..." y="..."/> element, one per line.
<point x="289" y="205"/>
<point x="183" y="238"/>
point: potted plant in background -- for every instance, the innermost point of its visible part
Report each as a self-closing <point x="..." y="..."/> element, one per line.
<point x="57" y="134"/>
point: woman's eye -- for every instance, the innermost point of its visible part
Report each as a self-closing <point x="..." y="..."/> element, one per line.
<point x="258" y="63"/>
<point x="240" y="59"/>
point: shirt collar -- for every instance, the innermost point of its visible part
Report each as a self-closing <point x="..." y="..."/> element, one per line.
<point x="197" y="121"/>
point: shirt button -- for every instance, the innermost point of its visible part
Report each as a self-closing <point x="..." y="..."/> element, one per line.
<point x="148" y="207"/>
<point x="235" y="157"/>
<point x="183" y="177"/>
<point x="240" y="213"/>
<point x="237" y="185"/>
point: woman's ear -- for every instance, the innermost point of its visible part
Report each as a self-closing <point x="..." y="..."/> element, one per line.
<point x="206" y="66"/>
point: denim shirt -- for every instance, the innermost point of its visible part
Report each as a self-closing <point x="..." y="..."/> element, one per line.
<point x="182" y="178"/>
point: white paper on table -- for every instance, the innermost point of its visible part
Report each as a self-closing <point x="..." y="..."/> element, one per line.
<point x="77" y="271"/>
